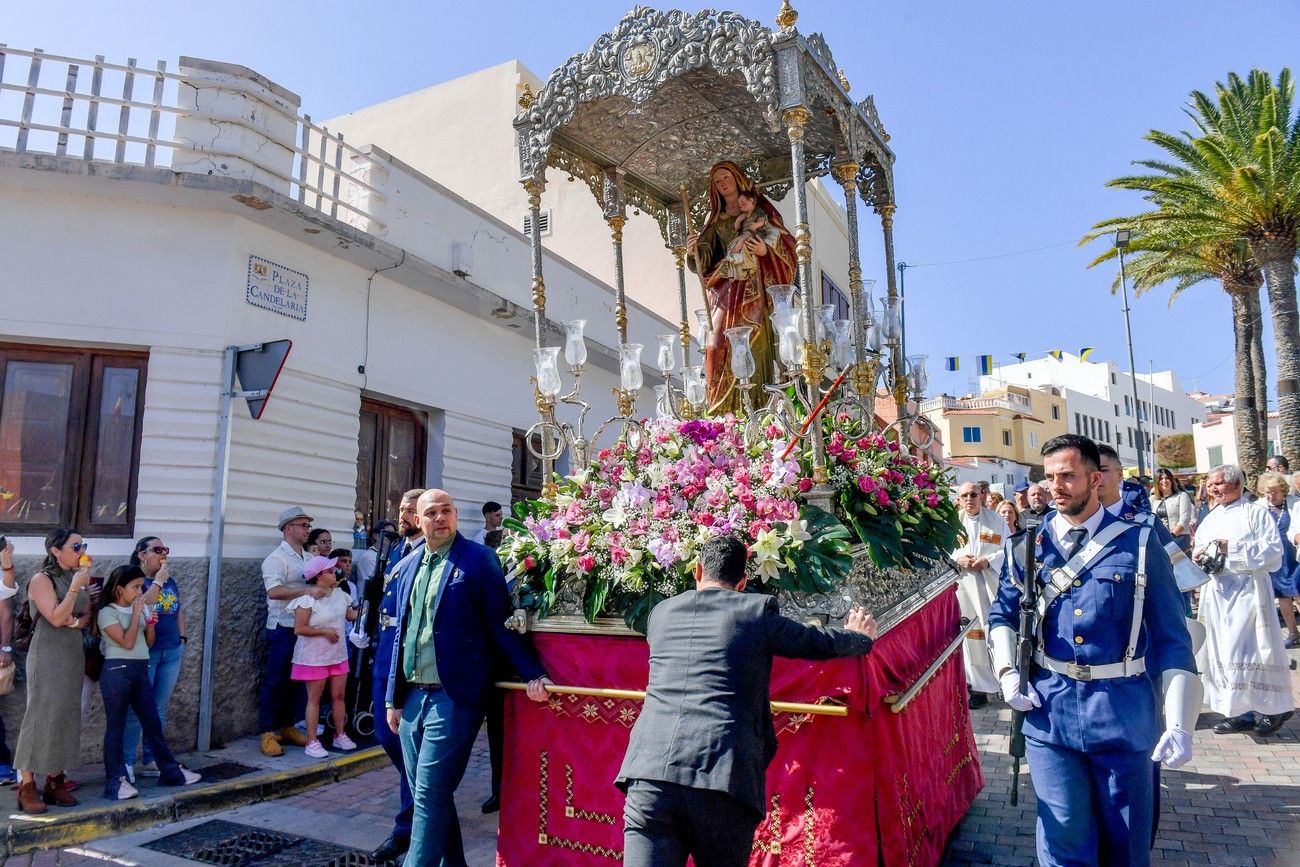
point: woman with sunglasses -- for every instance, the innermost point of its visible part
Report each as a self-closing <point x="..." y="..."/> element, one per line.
<point x="319" y="543"/>
<point x="50" y="737"/>
<point x="167" y="642"/>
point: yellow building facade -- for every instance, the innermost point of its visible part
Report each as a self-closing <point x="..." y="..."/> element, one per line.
<point x="1009" y="423"/>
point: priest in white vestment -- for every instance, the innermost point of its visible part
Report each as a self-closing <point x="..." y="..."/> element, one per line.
<point x="980" y="561"/>
<point x="1243" y="662"/>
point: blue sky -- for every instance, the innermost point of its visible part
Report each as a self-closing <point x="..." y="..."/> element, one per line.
<point x="1006" y="120"/>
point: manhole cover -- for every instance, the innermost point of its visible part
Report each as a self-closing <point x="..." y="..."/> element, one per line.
<point x="233" y="845"/>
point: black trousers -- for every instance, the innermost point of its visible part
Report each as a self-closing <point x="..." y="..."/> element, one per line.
<point x="496" y="728"/>
<point x="663" y="823"/>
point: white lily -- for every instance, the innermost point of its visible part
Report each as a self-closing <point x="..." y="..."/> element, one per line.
<point x="615" y="515"/>
<point x="767" y="546"/>
<point x="769" y="569"/>
<point x="798" y="532"/>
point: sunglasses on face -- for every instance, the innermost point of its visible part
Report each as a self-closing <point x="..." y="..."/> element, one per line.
<point x="966" y="496"/>
<point x="160" y="550"/>
<point x="79" y="546"/>
<point x="304" y="525"/>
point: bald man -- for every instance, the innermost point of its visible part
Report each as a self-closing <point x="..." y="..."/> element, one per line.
<point x="451" y="607"/>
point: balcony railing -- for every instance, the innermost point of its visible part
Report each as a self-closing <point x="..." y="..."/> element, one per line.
<point x="64" y="106"/>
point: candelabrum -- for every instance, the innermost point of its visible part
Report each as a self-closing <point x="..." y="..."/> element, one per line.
<point x="548" y="438"/>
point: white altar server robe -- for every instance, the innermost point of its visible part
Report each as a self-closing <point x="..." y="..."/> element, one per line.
<point x="1243" y="662"/>
<point x="985" y="533"/>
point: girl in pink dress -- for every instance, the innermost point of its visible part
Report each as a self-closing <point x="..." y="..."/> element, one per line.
<point x="321" y="655"/>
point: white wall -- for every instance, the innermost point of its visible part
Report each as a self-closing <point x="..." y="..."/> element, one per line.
<point x="122" y="268"/>
<point x="1222" y="433"/>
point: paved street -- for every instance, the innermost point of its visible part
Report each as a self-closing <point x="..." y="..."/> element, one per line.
<point x="1236" y="803"/>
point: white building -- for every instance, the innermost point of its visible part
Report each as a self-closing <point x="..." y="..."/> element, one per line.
<point x="1002" y="475"/>
<point x="1215" y="440"/>
<point x="1099" y="400"/>
<point x="128" y="270"/>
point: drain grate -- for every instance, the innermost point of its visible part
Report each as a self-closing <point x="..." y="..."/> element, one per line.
<point x="244" y="848"/>
<point x="230" y="844"/>
<point x="224" y="771"/>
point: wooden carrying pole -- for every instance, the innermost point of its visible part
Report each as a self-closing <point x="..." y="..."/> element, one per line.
<point x="638" y="695"/>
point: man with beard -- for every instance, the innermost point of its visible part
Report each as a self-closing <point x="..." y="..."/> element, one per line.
<point x="1244" y="661"/>
<point x="410" y="540"/>
<point x="1038" y="499"/>
<point x="979" y="559"/>
<point x="1110" y="632"/>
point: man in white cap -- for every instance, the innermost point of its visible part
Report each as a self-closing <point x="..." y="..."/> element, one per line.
<point x="281" y="699"/>
<point x="980" y="559"/>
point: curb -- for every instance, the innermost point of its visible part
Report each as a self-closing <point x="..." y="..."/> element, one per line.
<point x="187" y="803"/>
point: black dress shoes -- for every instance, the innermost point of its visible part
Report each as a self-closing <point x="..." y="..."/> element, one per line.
<point x="391" y="849"/>
<point x="1267" y="725"/>
<point x="492" y="804"/>
<point x="1235" y="724"/>
<point x="977" y="700"/>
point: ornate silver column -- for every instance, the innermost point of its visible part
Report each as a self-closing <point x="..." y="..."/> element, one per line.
<point x="864" y="378"/>
<point x="796" y="118"/>
<point x="896" y="361"/>
<point x="546" y="409"/>
<point x="616" y="217"/>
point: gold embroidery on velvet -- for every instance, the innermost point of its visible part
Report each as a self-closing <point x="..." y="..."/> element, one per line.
<point x="593" y="710"/>
<point x="772" y="845"/>
<point x="792" y="722"/>
<point x="576" y="812"/>
<point x="545" y="839"/>
<point x="809" y="838"/>
<point x="913" y="820"/>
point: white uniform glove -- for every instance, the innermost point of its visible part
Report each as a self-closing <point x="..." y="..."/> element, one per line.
<point x="1011" y="693"/>
<point x="359" y="640"/>
<point x="1183" y="692"/>
<point x="1174" y="749"/>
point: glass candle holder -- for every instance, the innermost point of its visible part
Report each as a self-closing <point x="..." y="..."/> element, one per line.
<point x="891" y="320"/>
<point x="824" y="315"/>
<point x="787" y="336"/>
<point x="693" y="384"/>
<point x="743" y="365"/>
<point x="666" y="359"/>
<point x="782" y="295"/>
<point x="546" y="368"/>
<point x="629" y="366"/>
<point x="841" y="344"/>
<point x="575" y="346"/>
<point x="663" y="406"/>
<point x="703" y="328"/>
<point x="917" y="379"/>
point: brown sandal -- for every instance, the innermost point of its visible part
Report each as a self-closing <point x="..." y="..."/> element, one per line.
<point x="57" y="793"/>
<point x="28" y="800"/>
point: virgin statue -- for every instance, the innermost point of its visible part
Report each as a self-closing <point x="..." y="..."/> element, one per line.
<point x="743" y="248"/>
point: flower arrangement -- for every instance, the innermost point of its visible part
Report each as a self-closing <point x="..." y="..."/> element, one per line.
<point x="898" y="505"/>
<point x="630" y="525"/>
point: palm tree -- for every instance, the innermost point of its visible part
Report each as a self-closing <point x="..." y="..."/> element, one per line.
<point x="1240" y="180"/>
<point x="1172" y="251"/>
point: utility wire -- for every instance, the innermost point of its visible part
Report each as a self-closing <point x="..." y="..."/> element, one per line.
<point x="987" y="258"/>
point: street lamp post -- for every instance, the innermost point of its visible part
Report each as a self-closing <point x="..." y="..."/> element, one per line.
<point x="1122" y="238"/>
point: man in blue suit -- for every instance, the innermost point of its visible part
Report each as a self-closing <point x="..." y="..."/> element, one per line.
<point x="1135" y="496"/>
<point x="1110" y="640"/>
<point x="409" y="543"/>
<point x="451" y="608"/>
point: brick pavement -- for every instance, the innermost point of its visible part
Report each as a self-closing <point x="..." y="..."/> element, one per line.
<point x="1236" y="803"/>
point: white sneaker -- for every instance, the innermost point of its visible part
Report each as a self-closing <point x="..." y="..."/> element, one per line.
<point x="316" y="751"/>
<point x="343" y="742"/>
<point x="125" y="791"/>
<point x="191" y="777"/>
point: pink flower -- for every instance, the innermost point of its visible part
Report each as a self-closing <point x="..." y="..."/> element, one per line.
<point x="932" y="500"/>
<point x="529" y="563"/>
<point x="582" y="541"/>
<point x="586" y="563"/>
<point x="866" y="484"/>
<point x="882" y="499"/>
<point x="617" y="555"/>
<point x="805" y="485"/>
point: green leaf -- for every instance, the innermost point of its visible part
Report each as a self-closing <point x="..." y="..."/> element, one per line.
<point x="593" y="600"/>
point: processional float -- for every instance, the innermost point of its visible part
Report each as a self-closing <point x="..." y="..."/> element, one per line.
<point x="701" y="121"/>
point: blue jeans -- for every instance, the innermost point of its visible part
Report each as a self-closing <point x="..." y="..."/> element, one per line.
<point x="164" y="669"/>
<point x="124" y="684"/>
<point x="1093" y="808"/>
<point x="281" y="701"/>
<point x="392" y="745"/>
<point x="437" y="737"/>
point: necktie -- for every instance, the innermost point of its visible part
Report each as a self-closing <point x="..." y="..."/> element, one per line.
<point x="1075" y="537"/>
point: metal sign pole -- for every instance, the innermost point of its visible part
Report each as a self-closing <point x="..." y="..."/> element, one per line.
<point x="210" y="613"/>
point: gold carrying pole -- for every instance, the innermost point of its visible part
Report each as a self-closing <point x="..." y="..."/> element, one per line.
<point x="639" y="695"/>
<point x="898" y="703"/>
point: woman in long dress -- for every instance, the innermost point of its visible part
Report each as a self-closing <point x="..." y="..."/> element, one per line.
<point x="50" y="737"/>
<point x="735" y="280"/>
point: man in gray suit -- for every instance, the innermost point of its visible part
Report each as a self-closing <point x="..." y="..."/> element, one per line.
<point x="695" y="769"/>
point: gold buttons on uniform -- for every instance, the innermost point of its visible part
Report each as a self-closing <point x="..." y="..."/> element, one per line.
<point x="1078" y="583"/>
<point x="1078" y="612"/>
<point x="1078" y="639"/>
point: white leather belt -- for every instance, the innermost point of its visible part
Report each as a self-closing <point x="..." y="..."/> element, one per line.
<point x="1083" y="672"/>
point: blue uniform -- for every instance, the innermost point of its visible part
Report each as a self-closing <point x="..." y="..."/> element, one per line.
<point x="1089" y="744"/>
<point x="379" y="686"/>
<point x="1135" y="496"/>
